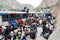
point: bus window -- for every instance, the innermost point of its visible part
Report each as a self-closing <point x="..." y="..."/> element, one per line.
<point x="30" y="15"/>
<point x="5" y="17"/>
<point x="12" y="16"/>
<point x="24" y="15"/>
<point x="18" y="16"/>
<point x="34" y="15"/>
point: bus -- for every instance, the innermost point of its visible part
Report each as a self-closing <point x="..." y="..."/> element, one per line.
<point x="7" y="16"/>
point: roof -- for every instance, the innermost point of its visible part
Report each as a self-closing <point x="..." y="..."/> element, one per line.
<point x="15" y="12"/>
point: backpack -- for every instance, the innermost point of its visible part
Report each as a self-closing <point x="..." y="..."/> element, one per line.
<point x="32" y="35"/>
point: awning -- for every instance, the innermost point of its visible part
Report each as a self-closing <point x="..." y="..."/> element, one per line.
<point x="13" y="22"/>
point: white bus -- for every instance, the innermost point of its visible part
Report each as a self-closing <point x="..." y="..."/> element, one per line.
<point x="5" y="16"/>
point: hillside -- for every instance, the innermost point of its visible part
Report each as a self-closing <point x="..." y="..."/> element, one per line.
<point x="46" y="3"/>
<point x="55" y="10"/>
<point x="56" y="34"/>
<point x="12" y="5"/>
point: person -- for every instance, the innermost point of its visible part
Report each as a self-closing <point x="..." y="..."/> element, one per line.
<point x="0" y="29"/>
<point x="47" y="28"/>
<point x="24" y="10"/>
<point x="16" y="30"/>
<point x="27" y="10"/>
<point x="4" y="31"/>
<point x="23" y="36"/>
<point x="26" y="32"/>
<point x="2" y="37"/>
<point x="12" y="35"/>
<point x="34" y="25"/>
<point x="19" y="33"/>
<point x="51" y="29"/>
<point x="22" y="27"/>
<point x="29" y="21"/>
<point x="40" y="22"/>
<point x="7" y="30"/>
<point x="53" y="21"/>
<point x="32" y="34"/>
<point x="14" y="38"/>
<point x="44" y="27"/>
<point x="12" y="27"/>
<point x="27" y="27"/>
<point x="8" y="37"/>
<point x="37" y="20"/>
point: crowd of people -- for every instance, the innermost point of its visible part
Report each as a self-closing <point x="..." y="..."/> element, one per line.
<point x="28" y="28"/>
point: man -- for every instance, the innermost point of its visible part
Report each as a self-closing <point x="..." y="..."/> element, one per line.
<point x="32" y="34"/>
<point x="12" y="35"/>
<point x="24" y="10"/>
<point x="4" y="31"/>
<point x="40" y="22"/>
<point x="34" y="25"/>
<point x="44" y="27"/>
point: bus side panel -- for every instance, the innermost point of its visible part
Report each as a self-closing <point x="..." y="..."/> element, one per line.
<point x="0" y="20"/>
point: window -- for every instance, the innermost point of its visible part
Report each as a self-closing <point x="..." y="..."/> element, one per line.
<point x="5" y="17"/>
<point x="30" y="15"/>
<point x="12" y="16"/>
<point x="24" y="15"/>
<point x="18" y="16"/>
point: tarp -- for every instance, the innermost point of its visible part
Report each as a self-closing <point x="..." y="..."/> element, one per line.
<point x="6" y="12"/>
<point x="13" y="22"/>
<point x="20" y="21"/>
<point x="1" y="13"/>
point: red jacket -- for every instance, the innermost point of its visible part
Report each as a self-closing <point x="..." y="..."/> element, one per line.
<point x="23" y="25"/>
<point x="26" y="32"/>
<point x="0" y="30"/>
<point x="37" y="21"/>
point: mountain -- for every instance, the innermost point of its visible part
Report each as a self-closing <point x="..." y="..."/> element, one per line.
<point x="10" y="3"/>
<point x="45" y="4"/>
<point x="13" y="5"/>
<point x="56" y="34"/>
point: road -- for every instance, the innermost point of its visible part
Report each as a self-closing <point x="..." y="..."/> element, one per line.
<point x="38" y="37"/>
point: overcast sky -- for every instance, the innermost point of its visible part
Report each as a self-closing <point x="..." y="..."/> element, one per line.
<point x="34" y="3"/>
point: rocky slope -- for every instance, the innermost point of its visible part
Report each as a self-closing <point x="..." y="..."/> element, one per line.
<point x="13" y="4"/>
<point x="46" y="3"/>
<point x="56" y="34"/>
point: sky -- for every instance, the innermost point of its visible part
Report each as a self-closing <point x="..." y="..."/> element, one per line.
<point x="34" y="3"/>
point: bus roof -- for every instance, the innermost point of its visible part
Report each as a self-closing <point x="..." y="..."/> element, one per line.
<point x="15" y="12"/>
